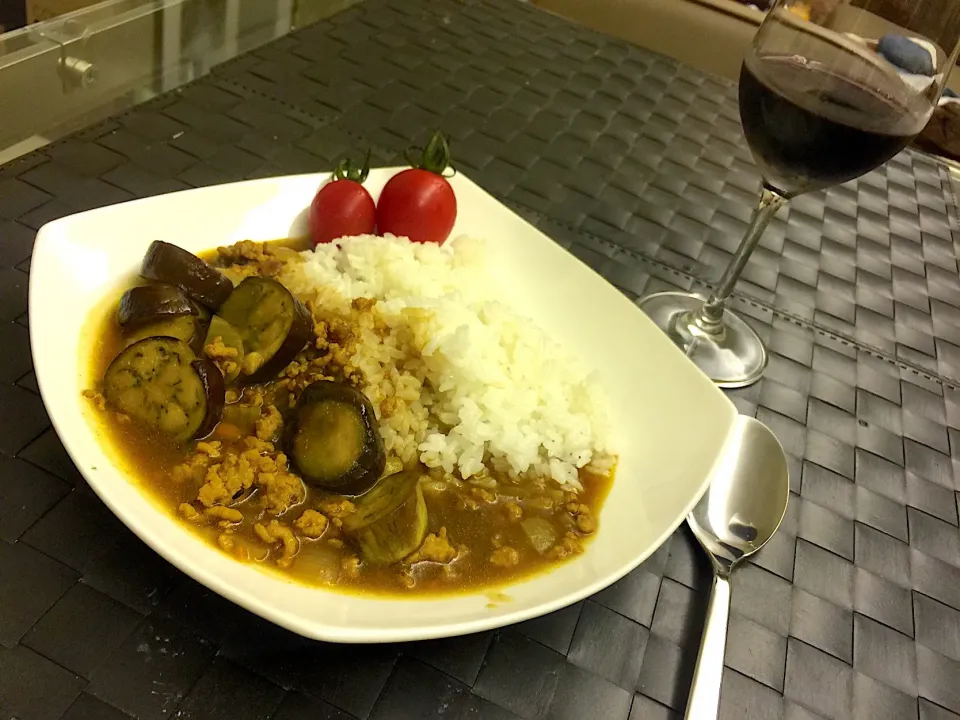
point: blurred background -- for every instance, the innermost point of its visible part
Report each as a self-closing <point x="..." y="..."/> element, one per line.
<point x="67" y="63"/>
<point x="722" y="28"/>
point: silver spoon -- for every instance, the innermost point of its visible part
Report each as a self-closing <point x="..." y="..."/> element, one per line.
<point x="740" y="511"/>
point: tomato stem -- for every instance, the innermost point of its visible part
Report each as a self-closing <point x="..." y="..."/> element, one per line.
<point x="435" y="157"/>
<point x="346" y="170"/>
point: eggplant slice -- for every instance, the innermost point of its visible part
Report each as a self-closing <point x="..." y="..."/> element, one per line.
<point x="147" y="304"/>
<point x="272" y="324"/>
<point x="188" y="328"/>
<point x="159" y="382"/>
<point x="168" y="263"/>
<point x="215" y="391"/>
<point x="333" y="441"/>
<point x="390" y="521"/>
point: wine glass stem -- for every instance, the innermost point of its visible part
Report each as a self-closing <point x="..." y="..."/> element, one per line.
<point x="710" y="316"/>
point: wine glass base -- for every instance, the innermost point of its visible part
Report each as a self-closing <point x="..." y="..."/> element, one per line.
<point x="734" y="358"/>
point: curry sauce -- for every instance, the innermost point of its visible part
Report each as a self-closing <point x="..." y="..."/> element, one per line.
<point x="483" y="531"/>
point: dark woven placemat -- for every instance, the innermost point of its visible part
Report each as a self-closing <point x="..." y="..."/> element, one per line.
<point x="637" y="165"/>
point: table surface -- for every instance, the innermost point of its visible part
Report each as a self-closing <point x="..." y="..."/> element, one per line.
<point x="638" y="166"/>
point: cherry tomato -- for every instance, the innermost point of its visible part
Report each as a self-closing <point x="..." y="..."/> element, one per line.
<point x="419" y="203"/>
<point x="343" y="207"/>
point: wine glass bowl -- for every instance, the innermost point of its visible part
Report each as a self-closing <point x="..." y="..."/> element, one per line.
<point x="821" y="103"/>
<point x="819" y="107"/>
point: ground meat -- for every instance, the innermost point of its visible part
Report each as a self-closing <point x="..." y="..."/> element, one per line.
<point x="261" y="446"/>
<point x="339" y="331"/>
<point x="241" y="252"/>
<point x="505" y="557"/>
<point x="319" y="329"/>
<point x="217" y="350"/>
<point x="363" y="304"/>
<point x="582" y="517"/>
<point x="311" y="523"/>
<point x="96" y="398"/>
<point x="302" y="372"/>
<point x="189" y="512"/>
<point x="335" y="345"/>
<point x="317" y="367"/>
<point x="354" y="376"/>
<point x="275" y="532"/>
<point x="296" y="368"/>
<point x="514" y="511"/>
<point x="222" y="355"/>
<point x="338" y="343"/>
<point x="269" y="423"/>
<point x="337" y="509"/>
<point x="229" y="515"/>
<point x="435" y="548"/>
<point x="228" y="479"/>
<point x="338" y="355"/>
<point x="210" y="449"/>
<point x="570" y="545"/>
<point x="231" y="478"/>
<point x="279" y="489"/>
<point x="263" y="258"/>
<point x="388" y="406"/>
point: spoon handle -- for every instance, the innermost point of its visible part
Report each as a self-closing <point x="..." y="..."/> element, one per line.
<point x="704" y="700"/>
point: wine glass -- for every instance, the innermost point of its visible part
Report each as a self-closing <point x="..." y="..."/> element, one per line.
<point x="826" y="95"/>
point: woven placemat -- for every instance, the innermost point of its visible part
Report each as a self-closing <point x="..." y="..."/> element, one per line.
<point x="637" y="165"/>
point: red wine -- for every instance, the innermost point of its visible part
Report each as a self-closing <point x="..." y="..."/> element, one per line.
<point x="809" y="127"/>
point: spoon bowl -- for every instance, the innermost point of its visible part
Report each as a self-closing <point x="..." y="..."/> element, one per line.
<point x="737" y="515"/>
<point x="747" y="497"/>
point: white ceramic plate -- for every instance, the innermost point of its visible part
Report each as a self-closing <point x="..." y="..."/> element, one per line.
<point x="670" y="421"/>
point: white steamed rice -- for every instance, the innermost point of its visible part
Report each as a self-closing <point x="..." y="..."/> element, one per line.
<point x="480" y="387"/>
